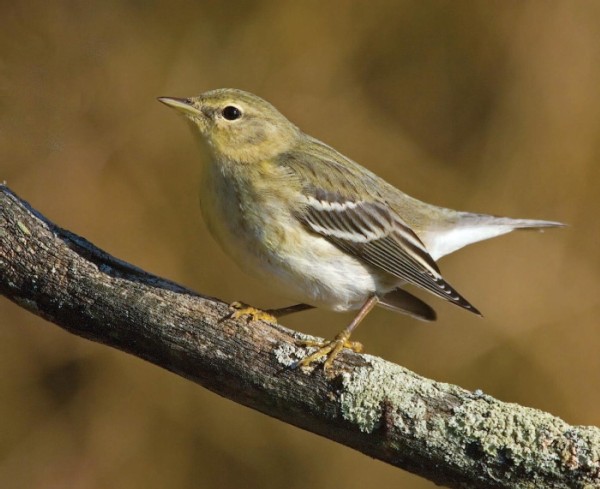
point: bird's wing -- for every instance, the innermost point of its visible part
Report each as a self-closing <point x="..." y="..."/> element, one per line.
<point x="369" y="229"/>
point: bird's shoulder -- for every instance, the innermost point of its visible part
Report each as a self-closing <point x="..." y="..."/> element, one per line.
<point x="321" y="167"/>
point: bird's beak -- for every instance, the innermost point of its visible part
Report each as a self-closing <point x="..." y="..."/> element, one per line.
<point x="183" y="105"/>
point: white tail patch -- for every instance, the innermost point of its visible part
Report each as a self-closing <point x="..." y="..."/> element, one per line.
<point x="473" y="228"/>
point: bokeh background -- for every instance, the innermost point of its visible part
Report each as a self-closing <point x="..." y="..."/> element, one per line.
<point x="484" y="106"/>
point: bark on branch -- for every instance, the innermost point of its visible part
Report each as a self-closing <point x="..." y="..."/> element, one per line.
<point x="442" y="432"/>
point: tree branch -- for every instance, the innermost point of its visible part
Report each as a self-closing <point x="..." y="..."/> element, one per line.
<point x="439" y="431"/>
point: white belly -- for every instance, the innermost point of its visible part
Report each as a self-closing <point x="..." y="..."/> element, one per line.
<point x="270" y="243"/>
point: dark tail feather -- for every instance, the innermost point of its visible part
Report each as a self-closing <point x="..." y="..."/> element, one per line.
<point x="399" y="300"/>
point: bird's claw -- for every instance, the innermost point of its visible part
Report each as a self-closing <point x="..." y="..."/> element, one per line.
<point x="328" y="348"/>
<point x="240" y="309"/>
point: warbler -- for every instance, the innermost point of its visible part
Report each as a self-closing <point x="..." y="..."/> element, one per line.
<point x="324" y="230"/>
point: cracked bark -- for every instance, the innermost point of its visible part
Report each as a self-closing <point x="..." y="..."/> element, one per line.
<point x="442" y="432"/>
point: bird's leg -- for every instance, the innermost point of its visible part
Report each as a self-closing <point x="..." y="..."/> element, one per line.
<point x="332" y="348"/>
<point x="270" y="315"/>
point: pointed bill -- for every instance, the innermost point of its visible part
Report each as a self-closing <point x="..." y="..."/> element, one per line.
<point x="183" y="105"/>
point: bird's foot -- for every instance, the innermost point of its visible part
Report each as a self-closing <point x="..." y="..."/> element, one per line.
<point x="240" y="309"/>
<point x="328" y="348"/>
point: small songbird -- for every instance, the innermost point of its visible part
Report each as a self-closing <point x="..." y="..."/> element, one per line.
<point x="324" y="230"/>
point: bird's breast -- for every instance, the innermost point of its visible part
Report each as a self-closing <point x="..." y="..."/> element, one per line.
<point x="249" y="223"/>
<point x="257" y="229"/>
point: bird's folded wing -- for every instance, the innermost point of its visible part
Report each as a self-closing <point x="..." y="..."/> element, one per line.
<point x="371" y="231"/>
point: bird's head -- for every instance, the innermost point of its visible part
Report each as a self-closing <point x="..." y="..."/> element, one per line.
<point x="237" y="125"/>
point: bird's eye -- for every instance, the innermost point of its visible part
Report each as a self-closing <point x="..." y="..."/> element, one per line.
<point x="231" y="113"/>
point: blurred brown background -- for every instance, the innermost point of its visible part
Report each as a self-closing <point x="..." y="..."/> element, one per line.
<point x="483" y="106"/>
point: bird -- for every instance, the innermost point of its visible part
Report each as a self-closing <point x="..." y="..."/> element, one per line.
<point x="324" y="230"/>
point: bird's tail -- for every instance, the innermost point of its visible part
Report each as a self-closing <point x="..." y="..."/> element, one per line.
<point x="521" y="223"/>
<point x="399" y="300"/>
<point x="466" y="228"/>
